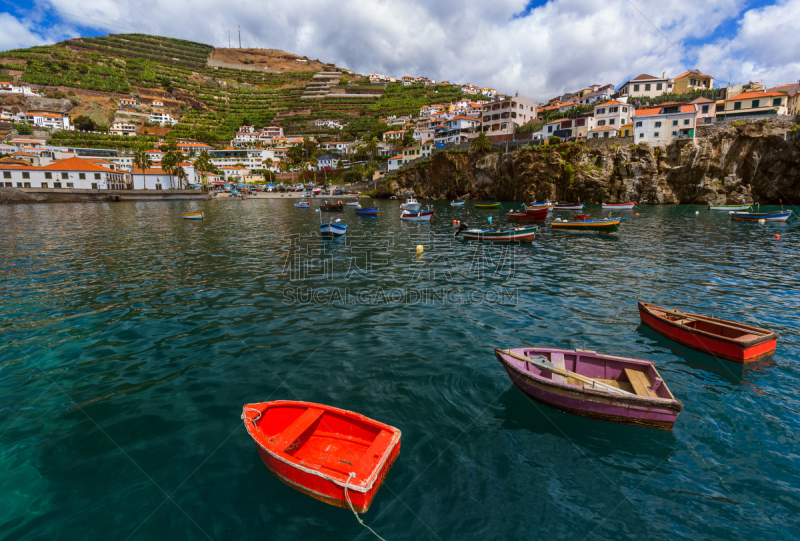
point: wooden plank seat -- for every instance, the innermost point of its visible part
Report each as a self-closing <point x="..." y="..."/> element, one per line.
<point x="640" y="382"/>
<point x="292" y="432"/>
<point x="557" y="360"/>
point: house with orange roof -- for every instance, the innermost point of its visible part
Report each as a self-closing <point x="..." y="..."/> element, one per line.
<point x="193" y="148"/>
<point x="123" y="128"/>
<point x="55" y="121"/>
<point x="394" y="163"/>
<point x="603" y="132"/>
<point x="692" y="81"/>
<point x="75" y="173"/>
<point x="612" y="113"/>
<point x="162" y="117"/>
<point x="154" y="178"/>
<point x="7" y="87"/>
<point x="567" y="128"/>
<point x="394" y="135"/>
<point x="706" y="110"/>
<point x="664" y="124"/>
<point x="757" y="103"/>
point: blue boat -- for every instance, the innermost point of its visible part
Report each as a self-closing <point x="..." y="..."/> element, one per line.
<point x="778" y="216"/>
<point x="332" y="229"/>
<point x="371" y="211"/>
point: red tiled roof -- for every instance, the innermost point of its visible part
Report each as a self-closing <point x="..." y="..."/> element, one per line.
<point x="687" y="109"/>
<point x="647" y="112"/>
<point x="695" y="73"/>
<point x="602" y="128"/>
<point x="644" y="77"/>
<point x="702" y="100"/>
<point x="399" y="156"/>
<point x="749" y="95"/>
<point x="615" y="102"/>
<point x="76" y="164"/>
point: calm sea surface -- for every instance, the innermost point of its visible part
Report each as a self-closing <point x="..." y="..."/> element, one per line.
<point x="131" y="339"/>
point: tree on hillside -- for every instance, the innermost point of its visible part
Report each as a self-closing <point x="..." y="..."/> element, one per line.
<point x="84" y="123"/>
<point x="268" y="163"/>
<point x="23" y="129"/>
<point x="372" y="147"/>
<point x="408" y="138"/>
<point x="171" y="161"/>
<point x="308" y="147"/>
<point x="166" y="84"/>
<point x="141" y="160"/>
<point x="203" y="163"/>
<point x="481" y="143"/>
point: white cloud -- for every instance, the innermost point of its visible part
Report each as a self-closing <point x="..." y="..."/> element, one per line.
<point x="17" y="33"/>
<point x="558" y="46"/>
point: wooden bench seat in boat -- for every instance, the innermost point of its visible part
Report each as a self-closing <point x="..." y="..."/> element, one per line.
<point x="640" y="382"/>
<point x="624" y="385"/>
<point x="292" y="432"/>
<point x="557" y="360"/>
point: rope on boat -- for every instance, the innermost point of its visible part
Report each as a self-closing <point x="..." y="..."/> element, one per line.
<point x="254" y="419"/>
<point x="358" y="518"/>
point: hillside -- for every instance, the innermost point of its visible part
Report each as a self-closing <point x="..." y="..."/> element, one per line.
<point x="211" y="91"/>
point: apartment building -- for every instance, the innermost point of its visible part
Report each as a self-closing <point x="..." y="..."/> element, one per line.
<point x="663" y="125"/>
<point x="501" y="116"/>
<point x="646" y="85"/>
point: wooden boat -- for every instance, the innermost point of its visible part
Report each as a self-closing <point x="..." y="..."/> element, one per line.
<point x="519" y="234"/>
<point x="619" y="206"/>
<point x="332" y="229"/>
<point x="487" y="205"/>
<point x="589" y="384"/>
<point x="729" y="208"/>
<point x="411" y="204"/>
<point x="353" y="204"/>
<point x="338" y="207"/>
<point x="420" y="216"/>
<point x="583" y="222"/>
<point x="193" y="215"/>
<point x="539" y="205"/>
<point x="717" y="337"/>
<point x="569" y="206"/>
<point x="302" y="205"/>
<point x="530" y="215"/>
<point x="336" y="456"/>
<point x="371" y="211"/>
<point x="456" y="203"/>
<point x="777" y="216"/>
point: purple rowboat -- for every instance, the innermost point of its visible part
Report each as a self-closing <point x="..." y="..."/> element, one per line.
<point x="589" y="384"/>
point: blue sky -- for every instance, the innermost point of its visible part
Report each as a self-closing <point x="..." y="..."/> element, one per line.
<point x="537" y="48"/>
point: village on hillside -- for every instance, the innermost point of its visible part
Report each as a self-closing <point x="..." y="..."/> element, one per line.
<point x="645" y="109"/>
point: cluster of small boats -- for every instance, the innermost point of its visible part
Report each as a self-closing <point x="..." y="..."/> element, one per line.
<point x="742" y="213"/>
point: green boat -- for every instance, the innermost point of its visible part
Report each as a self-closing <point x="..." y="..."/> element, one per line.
<point x="487" y="205"/>
<point x="583" y="223"/>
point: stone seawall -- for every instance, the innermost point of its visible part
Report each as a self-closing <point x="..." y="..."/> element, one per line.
<point x="66" y="195"/>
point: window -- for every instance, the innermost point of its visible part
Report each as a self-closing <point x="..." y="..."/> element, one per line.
<point x="692" y="82"/>
<point x="641" y="136"/>
<point x="158" y="186"/>
<point x="65" y="175"/>
<point x="755" y="104"/>
<point x="674" y="134"/>
<point x="9" y="184"/>
<point x="624" y="109"/>
<point x="601" y="122"/>
<point x="655" y="134"/>
<point x="776" y="102"/>
<point x="44" y="185"/>
<point x="705" y="109"/>
<point x="94" y="185"/>
<point x="6" y="174"/>
<point x="674" y="122"/>
<point x="638" y="124"/>
<point x="647" y="88"/>
<point x="685" y="121"/>
<point x="658" y="124"/>
<point x="737" y="105"/>
<point x="26" y="184"/>
<point x="19" y="185"/>
<point x="48" y="176"/>
<point x="636" y="88"/>
<point x="613" y="110"/>
<point x="659" y="86"/>
<point x="82" y="176"/>
<point x="611" y="122"/>
<point x="601" y="111"/>
<point x="56" y="185"/>
<point x="605" y="134"/>
<point x="26" y="175"/>
<point x="97" y="176"/>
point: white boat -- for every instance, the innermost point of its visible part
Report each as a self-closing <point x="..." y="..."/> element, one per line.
<point x="193" y="216"/>
<point x="302" y="205"/>
<point x="728" y="208"/>
<point x="411" y="204"/>
<point x="417" y="216"/>
<point x="332" y="229"/>
<point x="457" y="203"/>
<point x="618" y="206"/>
<point x="353" y="204"/>
<point x="569" y="206"/>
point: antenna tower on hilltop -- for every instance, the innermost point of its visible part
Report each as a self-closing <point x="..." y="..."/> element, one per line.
<point x="240" y="36"/>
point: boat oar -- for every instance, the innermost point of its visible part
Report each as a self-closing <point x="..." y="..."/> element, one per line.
<point x="684" y="315"/>
<point x="544" y="364"/>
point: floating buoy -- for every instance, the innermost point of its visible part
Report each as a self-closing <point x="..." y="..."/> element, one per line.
<point x="420" y="249"/>
<point x="455" y="222"/>
<point x="696" y="212"/>
<point x="637" y="213"/>
<point x="777" y="236"/>
<point x="762" y="221"/>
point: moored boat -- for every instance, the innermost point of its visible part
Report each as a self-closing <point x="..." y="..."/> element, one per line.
<point x="411" y="204"/>
<point x="729" y="208"/>
<point x="619" y="206"/>
<point x="777" y="216"/>
<point x="519" y="234"/>
<point x="569" y="206"/>
<point x="193" y="215"/>
<point x="541" y="204"/>
<point x="338" y="207"/>
<point x="530" y="215"/>
<point x="302" y="205"/>
<point x="487" y="205"/>
<point x="420" y="216"/>
<point x="456" y="203"/>
<point x="353" y="204"/>
<point x="717" y="337"/>
<point x="583" y="222"/>
<point x="589" y="384"/>
<point x="370" y="211"/>
<point x="332" y="229"/>
<point x="336" y="456"/>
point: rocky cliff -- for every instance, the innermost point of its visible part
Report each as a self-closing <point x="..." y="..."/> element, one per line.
<point x="726" y="163"/>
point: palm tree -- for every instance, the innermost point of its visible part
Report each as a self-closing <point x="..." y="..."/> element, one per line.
<point x="372" y="147"/>
<point x="481" y="143"/>
<point x="180" y="172"/>
<point x="171" y="161"/>
<point x="142" y="160"/>
<point x="268" y="163"/>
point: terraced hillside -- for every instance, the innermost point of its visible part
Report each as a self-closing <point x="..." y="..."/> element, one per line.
<point x="211" y="102"/>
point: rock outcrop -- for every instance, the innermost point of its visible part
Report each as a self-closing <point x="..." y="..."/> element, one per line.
<point x="726" y="163"/>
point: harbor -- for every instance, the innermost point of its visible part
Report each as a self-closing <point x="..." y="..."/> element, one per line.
<point x="136" y="332"/>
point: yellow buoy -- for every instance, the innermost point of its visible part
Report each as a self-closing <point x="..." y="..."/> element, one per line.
<point x="420" y="249"/>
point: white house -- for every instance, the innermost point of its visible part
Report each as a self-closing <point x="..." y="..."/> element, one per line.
<point x="123" y="128"/>
<point x="10" y="88"/>
<point x="502" y="115"/>
<point x="56" y="121"/>
<point x="603" y="132"/>
<point x="70" y="173"/>
<point x="459" y="129"/>
<point x="662" y="125"/>
<point x="613" y="113"/>
<point x="646" y="85"/>
<point x="230" y="172"/>
<point x="162" y="117"/>
<point x="395" y="162"/>
<point x="153" y="179"/>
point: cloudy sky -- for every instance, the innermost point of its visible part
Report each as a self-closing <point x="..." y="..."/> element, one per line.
<point x="537" y="48"/>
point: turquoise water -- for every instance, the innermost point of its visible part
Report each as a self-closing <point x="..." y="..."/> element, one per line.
<point x="132" y="338"/>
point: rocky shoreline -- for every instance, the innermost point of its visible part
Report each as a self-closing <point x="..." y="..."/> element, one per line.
<point x="753" y="161"/>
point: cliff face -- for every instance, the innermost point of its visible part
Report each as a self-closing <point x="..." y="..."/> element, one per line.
<point x="754" y="161"/>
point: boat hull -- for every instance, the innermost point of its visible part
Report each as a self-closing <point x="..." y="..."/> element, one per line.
<point x="635" y="410"/>
<point x="332" y="230"/>
<point x="193" y="216"/>
<point x="536" y="215"/>
<point x="520" y="235"/>
<point x="729" y="208"/>
<point x="716" y="346"/>
<point x="355" y="204"/>
<point x="602" y="227"/>
<point x="424" y="216"/>
<point x="766" y="216"/>
<point x="456" y="203"/>
<point x="367" y="212"/>
<point x="302" y="205"/>
<point x="569" y="207"/>
<point x="487" y="205"/>
<point x="620" y="206"/>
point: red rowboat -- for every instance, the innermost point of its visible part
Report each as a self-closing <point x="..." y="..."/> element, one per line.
<point x="333" y="455"/>
<point x="717" y="337"/>
<point x="530" y="215"/>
